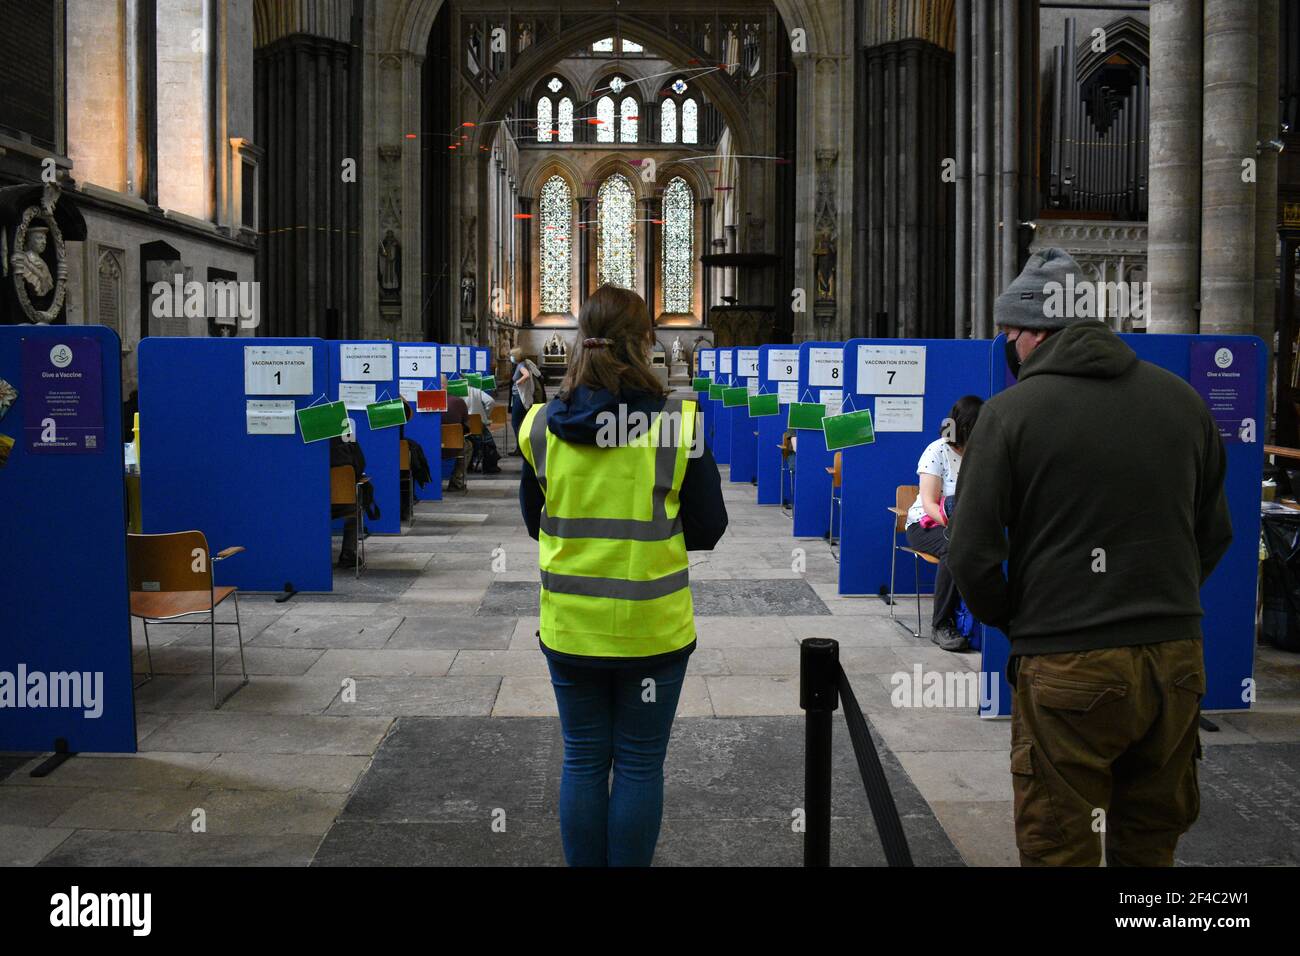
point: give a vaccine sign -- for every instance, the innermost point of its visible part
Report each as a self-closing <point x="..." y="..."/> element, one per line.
<point x="1224" y="375"/>
<point x="63" y="396"/>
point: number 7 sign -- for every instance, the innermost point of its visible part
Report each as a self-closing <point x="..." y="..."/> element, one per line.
<point x="891" y="370"/>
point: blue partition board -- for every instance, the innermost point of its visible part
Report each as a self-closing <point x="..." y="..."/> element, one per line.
<point x="744" y="443"/>
<point x="63" y="579"/>
<point x="872" y="473"/>
<point x="776" y="363"/>
<point x="380" y="447"/>
<point x="200" y="469"/>
<point x="425" y="428"/>
<point x="706" y="364"/>
<point x="1228" y="596"/>
<point x="721" y="417"/>
<point x="812" y="485"/>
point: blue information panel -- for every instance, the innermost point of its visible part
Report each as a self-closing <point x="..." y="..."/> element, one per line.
<point x="821" y="380"/>
<point x="221" y="452"/>
<point x="363" y="372"/>
<point x="721" y="419"/>
<point x="744" y="440"/>
<point x="778" y="372"/>
<point x="909" y="386"/>
<point x="1238" y="404"/>
<point x="65" y="630"/>
<point x="417" y="365"/>
<point x="706" y="367"/>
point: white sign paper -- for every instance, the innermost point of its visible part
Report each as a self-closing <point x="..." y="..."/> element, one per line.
<point x="366" y="361"/>
<point x="417" y="361"/>
<point x="787" y="392"/>
<point x="706" y="360"/>
<point x="898" y="414"/>
<point x="782" y="365"/>
<point x="832" y="398"/>
<point x="270" y="418"/>
<point x="447" y="359"/>
<point x="356" y="396"/>
<point x="824" y="366"/>
<point x="752" y="385"/>
<point x="464" y="359"/>
<point x="409" y="387"/>
<point x="747" y="362"/>
<point x="725" y="358"/>
<point x="891" y="370"/>
<point x="480" y="361"/>
<point x="277" y="369"/>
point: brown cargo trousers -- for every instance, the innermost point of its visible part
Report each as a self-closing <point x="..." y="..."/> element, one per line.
<point x="1106" y="741"/>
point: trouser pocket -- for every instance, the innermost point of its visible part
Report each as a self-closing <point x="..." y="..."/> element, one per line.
<point x="1038" y="828"/>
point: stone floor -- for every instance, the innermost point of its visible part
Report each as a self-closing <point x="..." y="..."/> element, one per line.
<point x="394" y="720"/>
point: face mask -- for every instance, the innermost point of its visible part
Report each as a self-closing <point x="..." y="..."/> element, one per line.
<point x="1013" y="357"/>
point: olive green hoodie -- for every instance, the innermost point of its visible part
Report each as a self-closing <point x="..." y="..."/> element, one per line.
<point x="1098" y="479"/>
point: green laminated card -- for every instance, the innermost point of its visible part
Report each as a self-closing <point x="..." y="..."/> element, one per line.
<point x="735" y="397"/>
<point x="715" y="391"/>
<point x="474" y="379"/>
<point x="761" y="406"/>
<point x="849" y="429"/>
<point x="322" y="421"/>
<point x="807" y="415"/>
<point x="701" y="383"/>
<point x="387" y="414"/>
<point x="458" y="386"/>
<point x="488" y="383"/>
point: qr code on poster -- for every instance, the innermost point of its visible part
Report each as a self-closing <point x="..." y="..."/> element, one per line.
<point x="92" y="441"/>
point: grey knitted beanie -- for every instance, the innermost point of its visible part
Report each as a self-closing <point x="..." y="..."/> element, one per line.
<point x="1022" y="305"/>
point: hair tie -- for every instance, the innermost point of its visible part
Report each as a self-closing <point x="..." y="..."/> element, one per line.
<point x="596" y="343"/>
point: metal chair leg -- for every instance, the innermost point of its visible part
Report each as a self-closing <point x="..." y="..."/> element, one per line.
<point x="239" y="632"/>
<point x="212" y="617"/>
<point x="148" y="653"/>
<point x="893" y="570"/>
<point x="916" y="562"/>
<point x="360" y="552"/>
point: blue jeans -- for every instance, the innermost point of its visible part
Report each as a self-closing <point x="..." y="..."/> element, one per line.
<point x="607" y="721"/>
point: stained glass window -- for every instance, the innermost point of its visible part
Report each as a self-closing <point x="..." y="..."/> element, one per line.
<point x="565" y="124"/>
<point x="556" y="247"/>
<point x="544" y="120"/>
<point x="679" y="236"/>
<point x="605" y="113"/>
<point x="690" y="121"/>
<point x="668" y="122"/>
<point x="628" y="116"/>
<point x="616" y="239"/>
<point x="630" y="47"/>
<point x="603" y="46"/>
<point x="554" y="85"/>
<point x="679" y="86"/>
<point x="617" y="84"/>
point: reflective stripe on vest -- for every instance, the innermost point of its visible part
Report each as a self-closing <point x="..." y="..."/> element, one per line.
<point x="587" y="607"/>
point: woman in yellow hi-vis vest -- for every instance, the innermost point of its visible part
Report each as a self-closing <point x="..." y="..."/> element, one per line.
<point x="617" y="486"/>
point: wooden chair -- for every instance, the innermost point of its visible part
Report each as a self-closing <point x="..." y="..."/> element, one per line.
<point x="404" y="474"/>
<point x="170" y="577"/>
<point x="836" y="471"/>
<point x="345" y="491"/>
<point x="453" y="439"/>
<point x="904" y="495"/>
<point x="497" y="418"/>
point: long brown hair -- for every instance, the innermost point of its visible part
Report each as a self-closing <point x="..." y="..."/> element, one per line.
<point x="621" y="316"/>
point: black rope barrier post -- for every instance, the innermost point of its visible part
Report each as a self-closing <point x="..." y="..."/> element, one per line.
<point x="819" y="665"/>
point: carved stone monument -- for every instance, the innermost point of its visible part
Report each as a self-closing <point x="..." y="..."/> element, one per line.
<point x="33" y="253"/>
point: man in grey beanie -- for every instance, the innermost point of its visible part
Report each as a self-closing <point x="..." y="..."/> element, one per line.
<point x="1098" y="480"/>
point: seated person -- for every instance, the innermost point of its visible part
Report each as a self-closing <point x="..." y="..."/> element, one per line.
<point x="484" y="454"/>
<point x="420" y="473"/>
<point x="457" y="413"/>
<point x="347" y="451"/>
<point x="927" y="519"/>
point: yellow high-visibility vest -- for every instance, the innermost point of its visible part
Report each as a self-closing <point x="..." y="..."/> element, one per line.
<point x="612" y="554"/>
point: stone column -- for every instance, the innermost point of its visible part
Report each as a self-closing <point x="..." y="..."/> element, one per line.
<point x="651" y="205"/>
<point x="961" y="218"/>
<point x="1230" y="105"/>
<point x="526" y="261"/>
<point x="584" y="239"/>
<point x="1174" y="131"/>
<point x="1267" y="128"/>
<point x="706" y="246"/>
